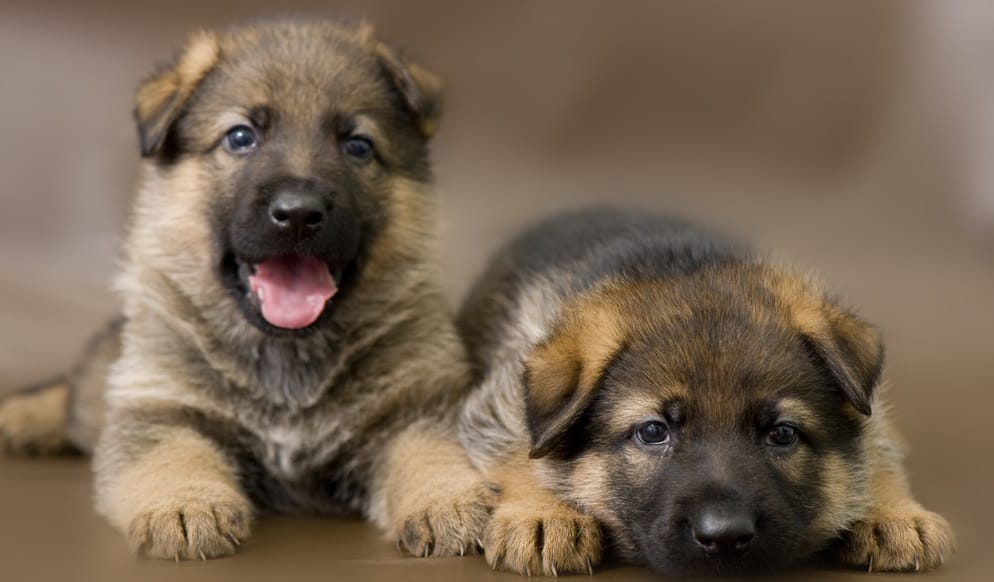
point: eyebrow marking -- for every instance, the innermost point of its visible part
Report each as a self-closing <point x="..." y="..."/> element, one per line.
<point x="366" y="125"/>
<point x="797" y="410"/>
<point x="230" y="119"/>
<point x="634" y="406"/>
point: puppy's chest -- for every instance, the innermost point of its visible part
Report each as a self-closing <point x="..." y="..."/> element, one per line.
<point x="291" y="467"/>
<point x="288" y="451"/>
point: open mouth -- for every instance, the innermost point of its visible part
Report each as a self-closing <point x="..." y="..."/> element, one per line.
<point x="290" y="292"/>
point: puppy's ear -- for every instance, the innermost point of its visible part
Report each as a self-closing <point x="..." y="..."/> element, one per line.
<point x="161" y="98"/>
<point x="852" y="351"/>
<point x="421" y="89"/>
<point x="562" y="374"/>
<point x="849" y="348"/>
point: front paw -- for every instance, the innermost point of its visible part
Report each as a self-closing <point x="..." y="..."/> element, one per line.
<point x="536" y="539"/>
<point x="910" y="538"/>
<point x="191" y="525"/>
<point x="448" y="526"/>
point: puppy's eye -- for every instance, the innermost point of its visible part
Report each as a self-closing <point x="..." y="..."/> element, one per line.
<point x="781" y="435"/>
<point x="653" y="433"/>
<point x="358" y="147"/>
<point x="240" y="140"/>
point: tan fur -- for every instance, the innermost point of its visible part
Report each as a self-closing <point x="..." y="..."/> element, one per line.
<point x="635" y="407"/>
<point x="796" y="409"/>
<point x="433" y="500"/>
<point x="887" y="529"/>
<point x="64" y="415"/>
<point x="564" y="369"/>
<point x="806" y="308"/>
<point x="181" y="500"/>
<point x="416" y="79"/>
<point x="211" y="412"/>
<point x="589" y="482"/>
<point x="34" y="422"/>
<point x="159" y="99"/>
<point x="589" y="336"/>
<point x="411" y="231"/>
<point x="532" y="532"/>
<point x="830" y="326"/>
<point x="895" y="533"/>
<point x="721" y="350"/>
<point x="844" y="496"/>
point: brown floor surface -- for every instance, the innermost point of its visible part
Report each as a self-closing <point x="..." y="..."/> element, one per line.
<point x="544" y="115"/>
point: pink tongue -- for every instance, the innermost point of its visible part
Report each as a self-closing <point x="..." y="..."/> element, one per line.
<point x="294" y="290"/>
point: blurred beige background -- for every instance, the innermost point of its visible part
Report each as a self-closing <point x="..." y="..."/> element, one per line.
<point x="851" y="138"/>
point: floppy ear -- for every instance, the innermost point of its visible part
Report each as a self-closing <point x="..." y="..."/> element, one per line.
<point x="852" y="351"/>
<point x="850" y="348"/>
<point x="161" y="98"/>
<point x="562" y="374"/>
<point x="421" y="89"/>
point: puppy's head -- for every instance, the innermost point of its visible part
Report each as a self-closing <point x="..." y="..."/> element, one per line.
<point x="714" y="423"/>
<point x="285" y="162"/>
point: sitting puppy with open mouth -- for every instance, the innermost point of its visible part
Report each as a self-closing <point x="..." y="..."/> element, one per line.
<point x="285" y="345"/>
<point x="657" y="392"/>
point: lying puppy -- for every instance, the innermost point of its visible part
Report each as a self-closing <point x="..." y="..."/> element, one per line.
<point x="652" y="389"/>
<point x="285" y="344"/>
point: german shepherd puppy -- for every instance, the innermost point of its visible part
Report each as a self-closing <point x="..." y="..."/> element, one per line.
<point x="651" y="389"/>
<point x="285" y="345"/>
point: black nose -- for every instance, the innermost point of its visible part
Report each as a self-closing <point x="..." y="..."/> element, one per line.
<point x="296" y="211"/>
<point x="724" y="528"/>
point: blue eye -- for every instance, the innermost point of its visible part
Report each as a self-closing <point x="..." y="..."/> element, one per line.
<point x="358" y="147"/>
<point x="781" y="435"/>
<point x="240" y="140"/>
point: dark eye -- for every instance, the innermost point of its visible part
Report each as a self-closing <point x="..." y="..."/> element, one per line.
<point x="240" y="140"/>
<point x="781" y="435"/>
<point x="358" y="147"/>
<point x="653" y="433"/>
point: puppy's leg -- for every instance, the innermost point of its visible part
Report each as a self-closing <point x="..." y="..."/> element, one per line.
<point x="428" y="497"/>
<point x="532" y="532"/>
<point x="170" y="490"/>
<point x="897" y="533"/>
<point x="34" y="421"/>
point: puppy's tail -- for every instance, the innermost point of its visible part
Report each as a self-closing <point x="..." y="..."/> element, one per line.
<point x="64" y="414"/>
<point x="33" y="420"/>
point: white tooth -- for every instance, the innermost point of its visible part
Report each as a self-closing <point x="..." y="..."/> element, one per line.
<point x="258" y="293"/>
